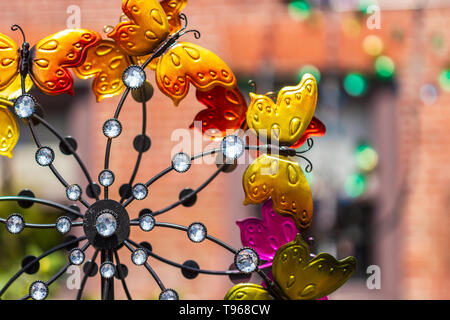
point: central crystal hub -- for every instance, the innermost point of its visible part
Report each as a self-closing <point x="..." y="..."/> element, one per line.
<point x="106" y="224"/>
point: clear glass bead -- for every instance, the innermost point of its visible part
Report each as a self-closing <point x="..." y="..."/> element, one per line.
<point x="38" y="290"/>
<point x="106" y="224"/>
<point x="15" y="223"/>
<point x="139" y="257"/>
<point x="181" y="162"/>
<point x="134" y="77"/>
<point x="106" y="178"/>
<point x="107" y="270"/>
<point x="232" y="147"/>
<point x="140" y="191"/>
<point x="247" y="260"/>
<point x="73" y="192"/>
<point x="197" y="232"/>
<point x="76" y="257"/>
<point x="147" y="222"/>
<point x="25" y="106"/>
<point x="63" y="225"/>
<point x="112" y="128"/>
<point x="168" y="294"/>
<point x="45" y="156"/>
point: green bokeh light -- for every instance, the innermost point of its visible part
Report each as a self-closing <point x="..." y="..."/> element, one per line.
<point x="309" y="68"/>
<point x="299" y="9"/>
<point x="355" y="185"/>
<point x="355" y="84"/>
<point x="444" y="80"/>
<point x="363" y="5"/>
<point x="384" y="67"/>
<point x="366" y="157"/>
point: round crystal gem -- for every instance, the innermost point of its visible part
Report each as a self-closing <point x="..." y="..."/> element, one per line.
<point x="134" y="77"/>
<point x="45" y="156"/>
<point x="197" y="232"/>
<point x="112" y="128"/>
<point x="106" y="178"/>
<point x="181" y="162"/>
<point x="168" y="294"/>
<point x="76" y="257"/>
<point x="140" y="191"/>
<point x="246" y="260"/>
<point x="107" y="270"/>
<point x="147" y="222"/>
<point x="38" y="290"/>
<point x="63" y="224"/>
<point x="106" y="224"/>
<point x="232" y="147"/>
<point x="73" y="192"/>
<point x="25" y="106"/>
<point x="139" y="257"/>
<point x="15" y="223"/>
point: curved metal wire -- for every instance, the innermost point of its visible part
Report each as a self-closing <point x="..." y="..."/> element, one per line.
<point x="43" y="202"/>
<point x="21" y="271"/>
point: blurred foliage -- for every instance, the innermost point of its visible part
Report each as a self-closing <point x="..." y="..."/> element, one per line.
<point x="34" y="242"/>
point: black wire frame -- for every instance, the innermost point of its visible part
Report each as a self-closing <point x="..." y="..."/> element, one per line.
<point x="107" y="285"/>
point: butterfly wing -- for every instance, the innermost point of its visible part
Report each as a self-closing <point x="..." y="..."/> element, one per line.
<point x="14" y="89"/>
<point x="172" y="8"/>
<point x="301" y="277"/>
<point x="105" y="62"/>
<point x="9" y="130"/>
<point x="147" y="28"/>
<point x="225" y="110"/>
<point x="248" y="291"/>
<point x="266" y="236"/>
<point x="53" y="55"/>
<point x="287" y="119"/>
<point x="283" y="180"/>
<point x="186" y="63"/>
<point x="316" y="128"/>
<point x="9" y="61"/>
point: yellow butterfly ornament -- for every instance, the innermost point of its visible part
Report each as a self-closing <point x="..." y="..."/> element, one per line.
<point x="297" y="276"/>
<point x="279" y="176"/>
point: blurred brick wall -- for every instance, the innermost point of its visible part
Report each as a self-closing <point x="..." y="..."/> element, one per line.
<point x="247" y="34"/>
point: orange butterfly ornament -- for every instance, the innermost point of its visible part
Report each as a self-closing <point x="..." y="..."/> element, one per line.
<point x="45" y="65"/>
<point x="149" y="34"/>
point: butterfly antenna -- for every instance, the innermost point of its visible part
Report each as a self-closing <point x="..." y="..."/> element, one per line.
<point x="16" y="27"/>
<point x="310" y="143"/>
<point x="309" y="167"/>
<point x="253" y="86"/>
<point x="183" y="31"/>
<point x="185" y="20"/>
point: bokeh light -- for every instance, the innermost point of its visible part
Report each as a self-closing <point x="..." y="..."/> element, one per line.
<point x="363" y="5"/>
<point x="351" y="27"/>
<point x="384" y="67"/>
<point x="373" y="45"/>
<point x="355" y="185"/>
<point x="366" y="157"/>
<point x="299" y="9"/>
<point x="444" y="80"/>
<point x="355" y="84"/>
<point x="428" y="94"/>
<point x="309" y="68"/>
